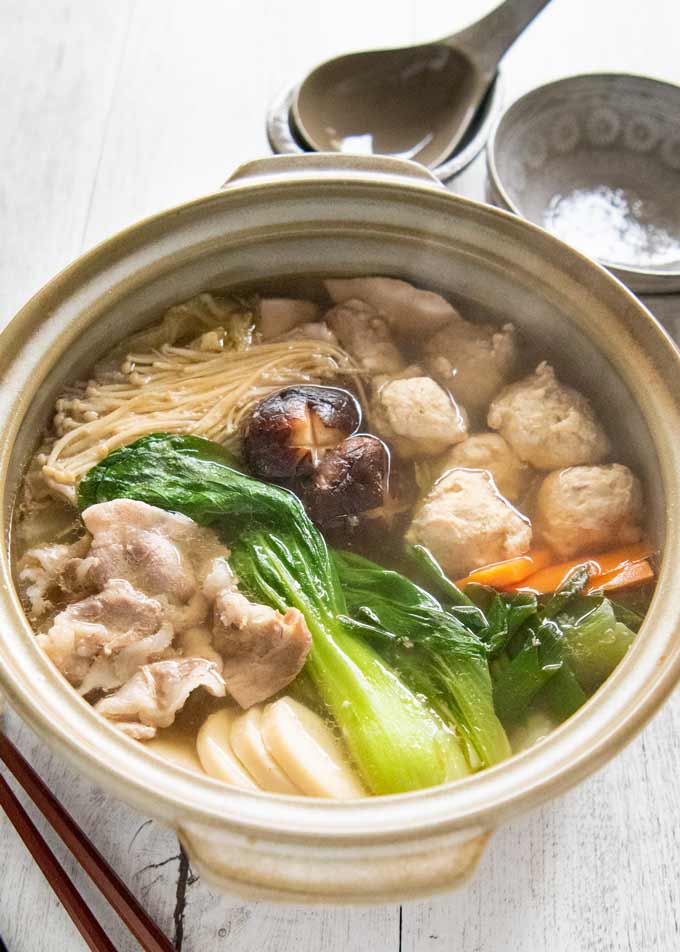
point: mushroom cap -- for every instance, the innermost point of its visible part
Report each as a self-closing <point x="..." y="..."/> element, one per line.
<point x="290" y="431"/>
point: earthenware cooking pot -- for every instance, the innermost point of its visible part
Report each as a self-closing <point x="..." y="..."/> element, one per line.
<point x="321" y="214"/>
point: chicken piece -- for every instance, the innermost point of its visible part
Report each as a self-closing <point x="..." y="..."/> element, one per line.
<point x="262" y="649"/>
<point x="280" y="315"/>
<point x="365" y="336"/>
<point x="589" y="509"/>
<point x="50" y="572"/>
<point x="472" y="361"/>
<point x="548" y="424"/>
<point x="417" y="418"/>
<point x="110" y="621"/>
<point x="318" y="330"/>
<point x="157" y="691"/>
<point x="489" y="451"/>
<point x="407" y="310"/>
<point x="145" y="545"/>
<point x="466" y="523"/>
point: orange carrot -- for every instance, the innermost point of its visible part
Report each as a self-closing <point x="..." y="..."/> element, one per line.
<point x="606" y="563"/>
<point x="627" y="576"/>
<point x="503" y="574"/>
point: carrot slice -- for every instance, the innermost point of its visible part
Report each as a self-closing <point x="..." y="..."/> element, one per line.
<point x="629" y="575"/>
<point x="502" y="574"/>
<point x="550" y="579"/>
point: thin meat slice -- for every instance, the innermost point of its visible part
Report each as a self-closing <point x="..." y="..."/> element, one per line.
<point x="151" y="548"/>
<point x="105" y="623"/>
<point x="262" y="649"/>
<point x="135" y="730"/>
<point x="114" y="666"/>
<point x="52" y="573"/>
<point x="157" y="691"/>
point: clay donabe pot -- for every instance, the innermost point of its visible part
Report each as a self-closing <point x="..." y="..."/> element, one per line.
<point x="319" y="215"/>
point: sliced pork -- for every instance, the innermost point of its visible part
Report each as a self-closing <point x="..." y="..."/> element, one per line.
<point x="263" y="650"/>
<point x="157" y="691"/>
<point x="113" y="619"/>
<point x="115" y="665"/>
<point x="52" y="572"/>
<point x="145" y="545"/>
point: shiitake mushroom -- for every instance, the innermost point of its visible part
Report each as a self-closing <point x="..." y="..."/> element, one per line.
<point x="290" y="432"/>
<point x="305" y="438"/>
<point x="351" y="479"/>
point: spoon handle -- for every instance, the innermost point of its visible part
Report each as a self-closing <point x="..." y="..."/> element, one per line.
<point x="487" y="40"/>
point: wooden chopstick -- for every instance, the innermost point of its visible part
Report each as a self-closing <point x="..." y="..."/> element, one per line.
<point x="72" y="901"/>
<point x="143" y="928"/>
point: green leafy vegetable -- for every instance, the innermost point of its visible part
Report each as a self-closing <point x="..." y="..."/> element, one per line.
<point x="562" y="655"/>
<point x="595" y="642"/>
<point x="529" y="671"/>
<point x="397" y="743"/>
<point x="435" y="653"/>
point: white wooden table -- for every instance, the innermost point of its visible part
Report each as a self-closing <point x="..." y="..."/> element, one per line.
<point x="113" y="110"/>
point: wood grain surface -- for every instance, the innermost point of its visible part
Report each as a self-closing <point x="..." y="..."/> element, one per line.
<point x="113" y="110"/>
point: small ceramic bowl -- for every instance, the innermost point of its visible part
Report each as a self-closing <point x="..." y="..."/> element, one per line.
<point x="596" y="160"/>
<point x="285" y="139"/>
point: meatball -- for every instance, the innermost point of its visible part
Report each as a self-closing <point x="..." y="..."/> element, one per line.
<point x="466" y="523"/>
<point x="472" y="361"/>
<point x="407" y="310"/>
<point x="547" y="423"/>
<point x="489" y="451"/>
<point x="417" y="417"/>
<point x="366" y="337"/>
<point x="589" y="508"/>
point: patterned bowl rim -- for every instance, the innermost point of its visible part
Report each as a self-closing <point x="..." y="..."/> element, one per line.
<point x="639" y="279"/>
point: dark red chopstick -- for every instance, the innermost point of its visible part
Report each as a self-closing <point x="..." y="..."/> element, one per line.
<point x="143" y="928"/>
<point x="73" y="902"/>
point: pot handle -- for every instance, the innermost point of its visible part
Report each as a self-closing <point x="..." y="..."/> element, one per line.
<point x="332" y="165"/>
<point x="264" y="869"/>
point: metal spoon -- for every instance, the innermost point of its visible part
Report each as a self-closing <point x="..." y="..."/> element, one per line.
<point x="415" y="102"/>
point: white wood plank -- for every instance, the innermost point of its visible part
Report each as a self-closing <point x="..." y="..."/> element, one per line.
<point x="58" y="67"/>
<point x="31" y="918"/>
<point x="595" y="870"/>
<point x="195" y="82"/>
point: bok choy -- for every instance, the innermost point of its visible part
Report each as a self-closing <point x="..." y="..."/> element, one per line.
<point x="431" y="648"/>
